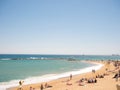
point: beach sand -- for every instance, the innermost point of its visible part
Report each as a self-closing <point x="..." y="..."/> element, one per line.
<point x="106" y="83"/>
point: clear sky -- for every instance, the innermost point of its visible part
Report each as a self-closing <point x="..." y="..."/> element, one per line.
<point x="60" y="27"/>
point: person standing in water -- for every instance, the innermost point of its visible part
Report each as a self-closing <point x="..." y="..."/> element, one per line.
<point x="20" y="83"/>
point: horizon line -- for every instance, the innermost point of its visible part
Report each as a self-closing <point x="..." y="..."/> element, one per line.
<point x="55" y="54"/>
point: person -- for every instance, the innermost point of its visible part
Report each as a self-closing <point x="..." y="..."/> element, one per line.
<point x="46" y="85"/>
<point x="30" y="88"/>
<point x="117" y="77"/>
<point x="95" y="80"/>
<point x="41" y="87"/>
<point x="70" y="76"/>
<point x="106" y="69"/>
<point x="33" y="88"/>
<point x="20" y="83"/>
<point x="68" y="83"/>
<point x="93" y="70"/>
<point x="82" y="84"/>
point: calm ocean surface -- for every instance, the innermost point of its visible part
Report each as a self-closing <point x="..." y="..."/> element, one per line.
<point x="17" y="67"/>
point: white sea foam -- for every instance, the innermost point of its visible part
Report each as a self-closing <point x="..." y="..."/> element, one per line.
<point x="48" y="77"/>
<point x="5" y="59"/>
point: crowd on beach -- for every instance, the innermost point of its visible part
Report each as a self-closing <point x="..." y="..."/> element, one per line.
<point x="115" y="72"/>
<point x="33" y="88"/>
<point x="85" y="81"/>
<point x="42" y="87"/>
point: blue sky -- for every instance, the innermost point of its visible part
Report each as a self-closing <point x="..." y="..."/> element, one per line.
<point x="60" y="27"/>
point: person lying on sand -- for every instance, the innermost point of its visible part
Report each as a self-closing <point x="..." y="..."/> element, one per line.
<point x="47" y="85"/>
<point x="92" y="80"/>
<point x="68" y="83"/>
<point x="82" y="84"/>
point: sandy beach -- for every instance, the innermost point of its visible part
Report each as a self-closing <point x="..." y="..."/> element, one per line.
<point x="104" y="81"/>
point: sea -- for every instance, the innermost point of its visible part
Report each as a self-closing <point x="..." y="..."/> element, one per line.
<point x="35" y="68"/>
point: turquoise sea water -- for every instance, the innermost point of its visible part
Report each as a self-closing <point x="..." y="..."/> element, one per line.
<point x="21" y="69"/>
<point x="17" y="67"/>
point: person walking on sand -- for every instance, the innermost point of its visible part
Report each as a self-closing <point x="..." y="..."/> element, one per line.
<point x="70" y="76"/>
<point x="41" y="87"/>
<point x="46" y="85"/>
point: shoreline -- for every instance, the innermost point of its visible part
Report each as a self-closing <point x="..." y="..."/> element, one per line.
<point x="97" y="66"/>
